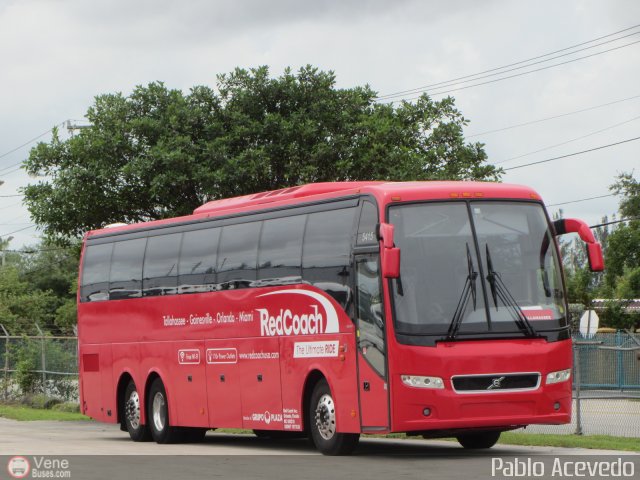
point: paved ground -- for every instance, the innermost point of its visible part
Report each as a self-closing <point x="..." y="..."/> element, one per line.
<point x="90" y="448"/>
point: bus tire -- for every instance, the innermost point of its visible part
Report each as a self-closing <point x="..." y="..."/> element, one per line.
<point x="322" y="424"/>
<point x="132" y="414"/>
<point x="479" y="440"/>
<point x="158" y="415"/>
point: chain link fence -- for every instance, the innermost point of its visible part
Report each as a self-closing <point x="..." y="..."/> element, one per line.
<point x="606" y="387"/>
<point x="38" y="364"/>
<point x="606" y="379"/>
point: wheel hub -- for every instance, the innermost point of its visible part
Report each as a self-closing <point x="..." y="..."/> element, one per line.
<point x="158" y="411"/>
<point x="326" y="417"/>
<point x="132" y="410"/>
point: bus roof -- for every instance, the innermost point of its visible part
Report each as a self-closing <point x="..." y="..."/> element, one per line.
<point x="385" y="192"/>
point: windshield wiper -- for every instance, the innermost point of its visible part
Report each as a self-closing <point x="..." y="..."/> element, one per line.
<point x="500" y="291"/>
<point x="468" y="291"/>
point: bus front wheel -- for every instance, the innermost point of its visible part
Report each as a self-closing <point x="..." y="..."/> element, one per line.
<point x="132" y="420"/>
<point x="478" y="440"/>
<point x="322" y="424"/>
<point x="158" y="415"/>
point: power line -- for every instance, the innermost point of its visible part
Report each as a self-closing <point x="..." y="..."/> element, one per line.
<point x="517" y="74"/>
<point x="25" y="144"/>
<point x="580" y="200"/>
<point x="16" y="231"/>
<point x="413" y="90"/>
<point x="573" y="154"/>
<point x="569" y="141"/>
<point x="7" y="196"/>
<point x="614" y="221"/>
<point x="510" y="127"/>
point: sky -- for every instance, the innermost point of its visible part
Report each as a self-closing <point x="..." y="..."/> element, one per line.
<point x="57" y="55"/>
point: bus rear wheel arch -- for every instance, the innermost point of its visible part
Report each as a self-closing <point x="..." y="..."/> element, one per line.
<point x="322" y="424"/>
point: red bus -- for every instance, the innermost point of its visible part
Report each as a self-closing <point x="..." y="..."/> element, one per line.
<point x="332" y="310"/>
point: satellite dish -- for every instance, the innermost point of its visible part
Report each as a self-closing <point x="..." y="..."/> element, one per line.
<point x="589" y="323"/>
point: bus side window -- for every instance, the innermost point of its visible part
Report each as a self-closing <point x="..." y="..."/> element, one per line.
<point x="160" y="271"/>
<point x="95" y="273"/>
<point x="197" y="266"/>
<point x="326" y="253"/>
<point x="125" y="278"/>
<point x="238" y="255"/>
<point x="280" y="251"/>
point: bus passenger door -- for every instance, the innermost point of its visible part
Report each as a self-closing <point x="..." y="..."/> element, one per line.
<point x="372" y="364"/>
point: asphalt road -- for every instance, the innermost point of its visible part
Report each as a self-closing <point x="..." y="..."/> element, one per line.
<point x="96" y="450"/>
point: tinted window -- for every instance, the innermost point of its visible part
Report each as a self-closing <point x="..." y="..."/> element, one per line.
<point x="197" y="269"/>
<point x="95" y="273"/>
<point x="238" y="255"/>
<point x="160" y="273"/>
<point x="370" y="312"/>
<point x="326" y="252"/>
<point x="280" y="253"/>
<point x="367" y="226"/>
<point x="125" y="280"/>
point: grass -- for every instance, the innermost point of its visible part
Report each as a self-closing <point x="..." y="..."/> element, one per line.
<point x="601" y="442"/>
<point x="17" y="412"/>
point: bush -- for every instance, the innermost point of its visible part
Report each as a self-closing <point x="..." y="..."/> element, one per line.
<point x="41" y="401"/>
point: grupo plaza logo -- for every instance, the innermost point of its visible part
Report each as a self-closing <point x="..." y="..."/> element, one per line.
<point x="320" y="316"/>
<point x="18" y="467"/>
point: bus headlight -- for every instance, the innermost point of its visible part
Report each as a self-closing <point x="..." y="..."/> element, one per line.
<point x="559" y="376"/>
<point x="422" y="382"/>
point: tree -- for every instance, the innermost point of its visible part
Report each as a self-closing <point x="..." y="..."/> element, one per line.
<point x="623" y="245"/>
<point x="160" y="153"/>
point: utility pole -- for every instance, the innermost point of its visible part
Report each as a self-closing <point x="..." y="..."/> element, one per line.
<point x="74" y="126"/>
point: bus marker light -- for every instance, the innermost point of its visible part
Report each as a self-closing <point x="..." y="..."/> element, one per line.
<point x="466" y="194"/>
<point x="396" y="198"/>
<point x="454" y="195"/>
<point x="353" y="413"/>
<point x="479" y="194"/>
<point x="341" y="357"/>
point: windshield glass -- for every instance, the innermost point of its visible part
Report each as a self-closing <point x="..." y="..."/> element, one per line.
<point x="440" y="271"/>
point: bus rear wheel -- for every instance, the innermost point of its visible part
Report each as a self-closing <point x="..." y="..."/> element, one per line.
<point x="158" y="415"/>
<point x="478" y="440"/>
<point x="132" y="418"/>
<point x="322" y="424"/>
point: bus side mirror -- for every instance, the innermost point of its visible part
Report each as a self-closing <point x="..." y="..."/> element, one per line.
<point x="594" y="249"/>
<point x="390" y="253"/>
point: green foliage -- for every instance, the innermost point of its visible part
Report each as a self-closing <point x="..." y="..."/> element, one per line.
<point x="159" y="153"/>
<point x="38" y="287"/>
<point x="27" y="362"/>
<point x="616" y="316"/>
<point x="629" y="188"/>
<point x="629" y="284"/>
<point x="623" y="251"/>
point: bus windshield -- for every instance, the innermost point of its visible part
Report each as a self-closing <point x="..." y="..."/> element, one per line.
<point x="477" y="268"/>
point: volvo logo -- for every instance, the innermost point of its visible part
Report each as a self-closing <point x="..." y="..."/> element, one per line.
<point x="496" y="383"/>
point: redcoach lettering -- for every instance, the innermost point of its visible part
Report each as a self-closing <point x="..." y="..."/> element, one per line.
<point x="288" y="323"/>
